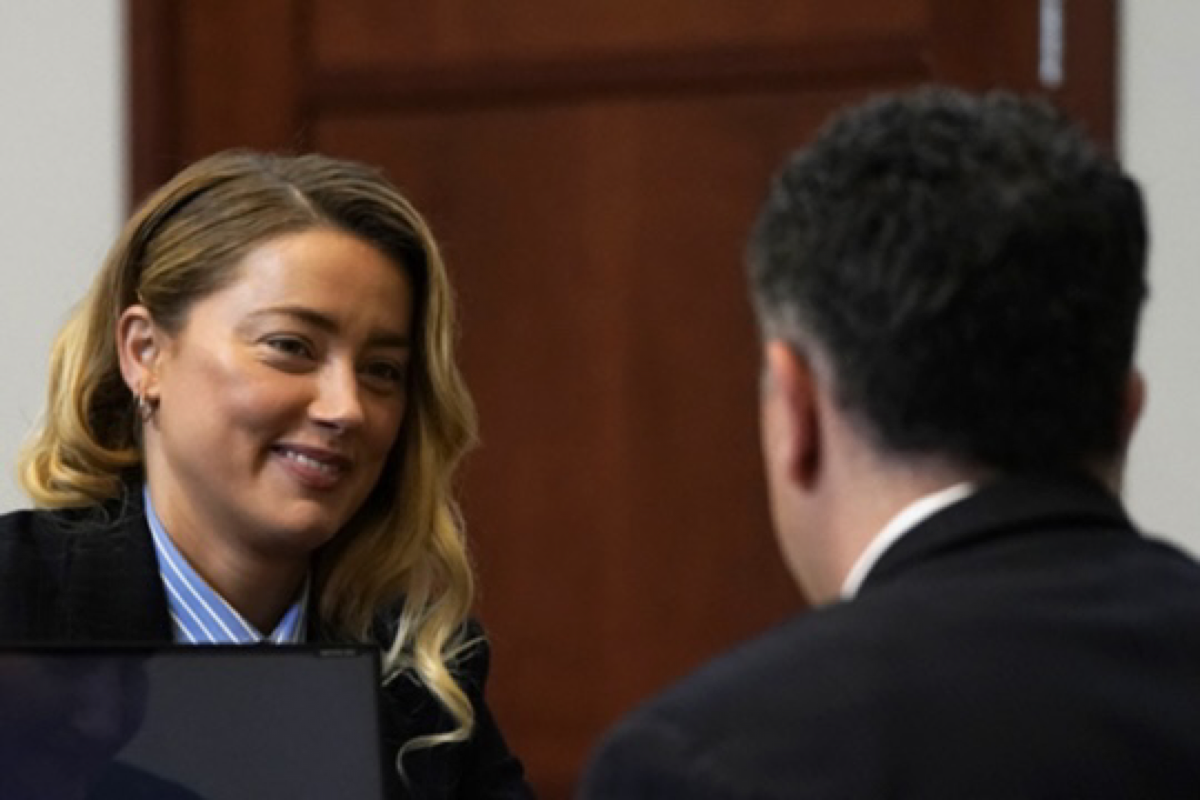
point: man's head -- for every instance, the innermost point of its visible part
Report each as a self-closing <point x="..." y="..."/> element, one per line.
<point x="969" y="271"/>
<point x="972" y="268"/>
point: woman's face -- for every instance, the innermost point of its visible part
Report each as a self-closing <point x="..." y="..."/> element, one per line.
<point x="280" y="398"/>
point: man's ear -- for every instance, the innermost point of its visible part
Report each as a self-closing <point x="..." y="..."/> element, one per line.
<point x="794" y="411"/>
<point x="1112" y="470"/>
<point x="139" y="347"/>
<point x="1135" y="402"/>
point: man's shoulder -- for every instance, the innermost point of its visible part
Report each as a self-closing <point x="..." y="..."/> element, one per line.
<point x="763" y="716"/>
<point x="806" y="662"/>
<point x="856" y="657"/>
<point x="977" y="652"/>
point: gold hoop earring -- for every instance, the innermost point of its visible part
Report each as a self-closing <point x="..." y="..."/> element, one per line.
<point x="145" y="407"/>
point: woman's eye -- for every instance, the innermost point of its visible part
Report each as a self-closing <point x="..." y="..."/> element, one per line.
<point x="386" y="372"/>
<point x="290" y="346"/>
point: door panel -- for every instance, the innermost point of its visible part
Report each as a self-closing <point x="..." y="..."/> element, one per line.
<point x="380" y="34"/>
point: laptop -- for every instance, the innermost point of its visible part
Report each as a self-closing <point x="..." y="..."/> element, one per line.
<point x="222" y="722"/>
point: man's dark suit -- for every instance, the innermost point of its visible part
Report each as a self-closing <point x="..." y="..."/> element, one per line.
<point x="91" y="575"/>
<point x="1023" y="643"/>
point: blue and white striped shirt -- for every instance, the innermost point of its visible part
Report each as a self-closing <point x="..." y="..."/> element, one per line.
<point x="199" y="615"/>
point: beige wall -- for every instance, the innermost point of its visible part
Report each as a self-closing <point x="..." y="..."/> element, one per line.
<point x="61" y="189"/>
<point x="1160" y="142"/>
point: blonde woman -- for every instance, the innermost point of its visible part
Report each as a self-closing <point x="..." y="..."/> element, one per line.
<point x="252" y="424"/>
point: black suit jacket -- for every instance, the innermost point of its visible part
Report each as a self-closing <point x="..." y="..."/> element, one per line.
<point x="91" y="575"/>
<point x="1023" y="643"/>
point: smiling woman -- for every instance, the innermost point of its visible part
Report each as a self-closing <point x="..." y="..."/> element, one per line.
<point x="253" y="421"/>
<point x="273" y="410"/>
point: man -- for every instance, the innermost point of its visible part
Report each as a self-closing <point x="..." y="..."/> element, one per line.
<point x="949" y="289"/>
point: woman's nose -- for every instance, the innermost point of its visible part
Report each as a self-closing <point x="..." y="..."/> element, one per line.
<point x="337" y="402"/>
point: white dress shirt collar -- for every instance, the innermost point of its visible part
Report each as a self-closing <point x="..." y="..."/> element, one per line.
<point x="909" y="517"/>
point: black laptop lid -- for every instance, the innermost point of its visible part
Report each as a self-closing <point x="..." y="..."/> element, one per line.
<point x="180" y="723"/>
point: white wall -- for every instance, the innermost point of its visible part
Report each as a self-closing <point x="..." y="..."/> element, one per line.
<point x="61" y="189"/>
<point x="61" y="186"/>
<point x="1160" y="144"/>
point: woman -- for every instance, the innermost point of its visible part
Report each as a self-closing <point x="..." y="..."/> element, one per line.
<point x="253" y="420"/>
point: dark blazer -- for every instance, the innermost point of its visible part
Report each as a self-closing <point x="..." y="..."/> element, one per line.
<point x="91" y="575"/>
<point x="1023" y="643"/>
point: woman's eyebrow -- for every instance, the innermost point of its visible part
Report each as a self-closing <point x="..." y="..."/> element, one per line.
<point x="379" y="337"/>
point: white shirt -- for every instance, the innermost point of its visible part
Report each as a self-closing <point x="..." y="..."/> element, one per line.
<point x="909" y="517"/>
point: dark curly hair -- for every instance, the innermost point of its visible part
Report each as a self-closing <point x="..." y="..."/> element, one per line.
<point x="972" y="267"/>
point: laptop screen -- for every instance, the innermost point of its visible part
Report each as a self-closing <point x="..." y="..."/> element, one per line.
<point x="180" y="723"/>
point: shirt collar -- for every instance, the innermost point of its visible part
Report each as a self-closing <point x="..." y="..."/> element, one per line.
<point x="199" y="614"/>
<point x="909" y="517"/>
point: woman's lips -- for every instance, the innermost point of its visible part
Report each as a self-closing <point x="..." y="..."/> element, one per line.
<point x="315" y="467"/>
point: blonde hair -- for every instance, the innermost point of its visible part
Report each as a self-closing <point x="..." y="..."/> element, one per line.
<point x="404" y="548"/>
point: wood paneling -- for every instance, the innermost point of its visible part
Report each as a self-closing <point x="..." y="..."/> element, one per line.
<point x="521" y="83"/>
<point x="154" y="69"/>
<point x="985" y="44"/>
<point x="212" y="75"/>
<point x="386" y="35"/>
<point x="591" y="169"/>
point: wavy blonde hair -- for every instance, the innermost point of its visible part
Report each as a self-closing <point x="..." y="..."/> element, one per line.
<point x="404" y="548"/>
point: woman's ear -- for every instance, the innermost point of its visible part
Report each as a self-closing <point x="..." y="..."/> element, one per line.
<point x="139" y="346"/>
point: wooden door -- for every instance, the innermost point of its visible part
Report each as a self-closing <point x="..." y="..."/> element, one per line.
<point x="592" y="169"/>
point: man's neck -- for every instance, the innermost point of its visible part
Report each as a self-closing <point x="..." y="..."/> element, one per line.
<point x="874" y="493"/>
<point x="907" y="519"/>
